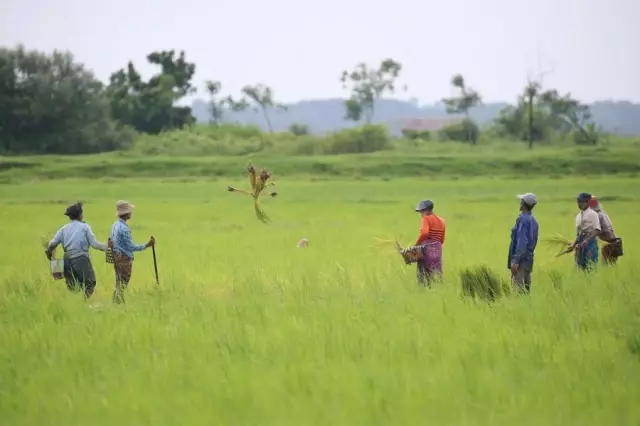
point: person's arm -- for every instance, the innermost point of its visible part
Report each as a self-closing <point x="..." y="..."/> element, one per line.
<point x="444" y="230"/>
<point x="55" y="241"/>
<point x="522" y="239"/>
<point x="91" y="238"/>
<point x="129" y="244"/>
<point x="424" y="231"/>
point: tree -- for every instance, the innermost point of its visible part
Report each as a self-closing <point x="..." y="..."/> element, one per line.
<point x="461" y="104"/>
<point x="261" y="98"/>
<point x="367" y="86"/>
<point x="150" y="106"/>
<point x="50" y="104"/>
<point x="217" y="105"/>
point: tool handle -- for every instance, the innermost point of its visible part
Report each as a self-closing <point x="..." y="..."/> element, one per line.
<point x="155" y="262"/>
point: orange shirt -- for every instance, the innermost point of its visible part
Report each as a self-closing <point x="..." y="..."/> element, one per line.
<point x="432" y="228"/>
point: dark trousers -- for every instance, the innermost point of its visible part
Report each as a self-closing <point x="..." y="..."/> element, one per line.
<point x="79" y="275"/>
<point x="123" y="266"/>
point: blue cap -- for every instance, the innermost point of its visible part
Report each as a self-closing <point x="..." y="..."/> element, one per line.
<point x="424" y="205"/>
<point x="584" y="196"/>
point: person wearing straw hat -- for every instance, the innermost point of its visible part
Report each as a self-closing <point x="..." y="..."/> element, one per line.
<point x="431" y="238"/>
<point x="613" y="249"/>
<point x="76" y="237"/>
<point x="524" y="239"/>
<point x="123" y="249"/>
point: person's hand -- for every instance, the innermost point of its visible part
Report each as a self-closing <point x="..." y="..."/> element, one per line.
<point x="581" y="245"/>
<point x="514" y="268"/>
<point x="152" y="242"/>
<point x="110" y="243"/>
<point x="48" y="254"/>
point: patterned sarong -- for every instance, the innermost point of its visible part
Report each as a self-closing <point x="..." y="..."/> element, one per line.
<point x="430" y="267"/>
<point x="587" y="258"/>
<point x="123" y="266"/>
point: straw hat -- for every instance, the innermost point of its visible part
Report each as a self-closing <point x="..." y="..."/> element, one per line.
<point x="124" y="207"/>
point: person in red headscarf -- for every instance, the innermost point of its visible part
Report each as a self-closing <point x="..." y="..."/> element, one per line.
<point x="613" y="249"/>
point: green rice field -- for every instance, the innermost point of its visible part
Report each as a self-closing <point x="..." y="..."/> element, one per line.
<point x="245" y="328"/>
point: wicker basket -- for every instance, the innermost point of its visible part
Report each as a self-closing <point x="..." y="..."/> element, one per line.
<point x="412" y="254"/>
<point x="108" y="255"/>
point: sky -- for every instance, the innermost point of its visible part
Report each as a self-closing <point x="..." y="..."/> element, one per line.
<point x="589" y="48"/>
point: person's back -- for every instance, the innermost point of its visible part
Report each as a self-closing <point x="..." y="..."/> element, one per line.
<point x="74" y="239"/>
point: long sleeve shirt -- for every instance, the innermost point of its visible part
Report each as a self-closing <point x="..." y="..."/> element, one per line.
<point x="76" y="237"/>
<point x="122" y="239"/>
<point x="432" y="228"/>
<point x="524" y="238"/>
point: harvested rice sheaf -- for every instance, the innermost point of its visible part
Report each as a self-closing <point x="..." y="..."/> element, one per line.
<point x="482" y="283"/>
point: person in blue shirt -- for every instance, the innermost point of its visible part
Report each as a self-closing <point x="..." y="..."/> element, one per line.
<point x="123" y="248"/>
<point x="524" y="238"/>
<point x="76" y="237"/>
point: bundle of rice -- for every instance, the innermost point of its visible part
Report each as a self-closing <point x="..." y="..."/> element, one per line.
<point x="259" y="182"/>
<point x="562" y="243"/>
<point x="480" y="282"/>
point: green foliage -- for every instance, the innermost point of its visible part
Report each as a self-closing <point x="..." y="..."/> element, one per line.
<point x="299" y="129"/>
<point x="51" y="104"/>
<point x="416" y="134"/>
<point x="368" y="85"/>
<point x="359" y="140"/>
<point x="464" y="131"/>
<point x="544" y="115"/>
<point x="461" y="104"/>
<point x="149" y="106"/>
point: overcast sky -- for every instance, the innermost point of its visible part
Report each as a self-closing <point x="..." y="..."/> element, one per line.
<point x="300" y="47"/>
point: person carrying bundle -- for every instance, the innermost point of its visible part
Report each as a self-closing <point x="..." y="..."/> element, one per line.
<point x="432" y="236"/>
<point x="587" y="229"/>
<point x="76" y="237"/>
<point x="613" y="249"/>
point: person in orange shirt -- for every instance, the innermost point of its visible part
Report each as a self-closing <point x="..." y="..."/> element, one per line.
<point x="432" y="235"/>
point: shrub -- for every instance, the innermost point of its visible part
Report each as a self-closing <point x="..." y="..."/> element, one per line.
<point x="299" y="129"/>
<point x="465" y="131"/>
<point x="416" y="134"/>
<point x="367" y="138"/>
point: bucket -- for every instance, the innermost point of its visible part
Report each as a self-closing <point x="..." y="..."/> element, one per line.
<point x="57" y="268"/>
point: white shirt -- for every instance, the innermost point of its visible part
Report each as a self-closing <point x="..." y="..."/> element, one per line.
<point x="587" y="221"/>
<point x="76" y="237"/>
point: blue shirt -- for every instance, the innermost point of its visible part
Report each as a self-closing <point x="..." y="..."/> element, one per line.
<point x="122" y="239"/>
<point x="524" y="238"/>
<point x="76" y="237"/>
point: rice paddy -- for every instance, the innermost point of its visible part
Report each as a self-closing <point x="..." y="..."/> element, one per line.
<point x="248" y="328"/>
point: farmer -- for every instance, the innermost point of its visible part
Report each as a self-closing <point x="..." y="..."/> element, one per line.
<point x="432" y="233"/>
<point x="613" y="249"/>
<point x="123" y="248"/>
<point x="587" y="229"/>
<point x="76" y="237"/>
<point x="524" y="238"/>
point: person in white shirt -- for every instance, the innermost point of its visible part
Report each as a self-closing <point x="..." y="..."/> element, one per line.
<point x="76" y="237"/>
<point x="587" y="230"/>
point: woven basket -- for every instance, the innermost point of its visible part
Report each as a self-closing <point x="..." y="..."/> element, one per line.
<point x="412" y="254"/>
<point x="108" y="255"/>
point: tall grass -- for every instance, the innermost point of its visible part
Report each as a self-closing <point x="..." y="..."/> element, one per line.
<point x="246" y="328"/>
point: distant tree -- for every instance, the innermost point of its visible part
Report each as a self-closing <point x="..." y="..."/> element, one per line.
<point x="51" y="104"/>
<point x="461" y="104"/>
<point x="217" y="105"/>
<point x="150" y="106"/>
<point x="367" y="86"/>
<point x="299" y="129"/>
<point x="260" y="98"/>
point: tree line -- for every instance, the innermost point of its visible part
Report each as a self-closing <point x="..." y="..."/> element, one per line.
<point x="51" y="104"/>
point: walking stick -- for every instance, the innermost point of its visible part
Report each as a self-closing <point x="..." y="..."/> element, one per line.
<point x="155" y="263"/>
